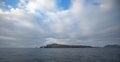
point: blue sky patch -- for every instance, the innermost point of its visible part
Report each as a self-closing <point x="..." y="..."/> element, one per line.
<point x="12" y="3"/>
<point x="64" y="4"/>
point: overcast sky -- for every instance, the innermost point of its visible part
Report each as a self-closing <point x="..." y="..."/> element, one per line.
<point x="33" y="23"/>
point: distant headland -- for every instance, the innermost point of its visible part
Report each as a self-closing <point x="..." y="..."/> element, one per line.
<point x="54" y="45"/>
<point x="112" y="46"/>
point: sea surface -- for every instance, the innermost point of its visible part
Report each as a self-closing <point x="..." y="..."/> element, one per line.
<point x="59" y="55"/>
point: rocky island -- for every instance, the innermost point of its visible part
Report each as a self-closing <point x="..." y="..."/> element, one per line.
<point x="64" y="46"/>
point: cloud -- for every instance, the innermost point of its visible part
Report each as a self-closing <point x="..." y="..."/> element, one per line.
<point x="2" y="4"/>
<point x="38" y="5"/>
<point x="33" y="23"/>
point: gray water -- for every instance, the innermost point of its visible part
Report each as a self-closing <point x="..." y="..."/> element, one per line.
<point x="60" y="55"/>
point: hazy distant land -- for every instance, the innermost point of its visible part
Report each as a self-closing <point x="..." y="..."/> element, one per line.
<point x="55" y="45"/>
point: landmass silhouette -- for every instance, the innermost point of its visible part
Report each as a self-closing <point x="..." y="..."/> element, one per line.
<point x="55" y="45"/>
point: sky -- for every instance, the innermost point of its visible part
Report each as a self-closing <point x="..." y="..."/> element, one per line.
<point x="34" y="23"/>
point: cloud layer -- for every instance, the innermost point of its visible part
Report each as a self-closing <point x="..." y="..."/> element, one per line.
<point x="33" y="23"/>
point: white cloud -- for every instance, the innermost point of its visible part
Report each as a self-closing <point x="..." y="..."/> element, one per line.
<point x="60" y="21"/>
<point x="18" y="17"/>
<point x="76" y="7"/>
<point x="107" y="5"/>
<point x="54" y="40"/>
<point x="39" y="5"/>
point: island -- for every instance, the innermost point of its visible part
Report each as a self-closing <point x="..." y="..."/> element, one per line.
<point x="54" y="45"/>
<point x="112" y="46"/>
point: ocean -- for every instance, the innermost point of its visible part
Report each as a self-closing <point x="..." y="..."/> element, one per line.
<point x="59" y="54"/>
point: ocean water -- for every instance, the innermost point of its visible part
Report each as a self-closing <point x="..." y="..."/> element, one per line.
<point x="59" y="55"/>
